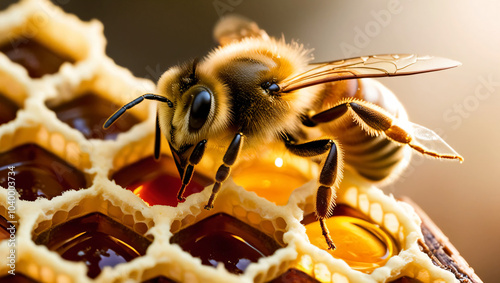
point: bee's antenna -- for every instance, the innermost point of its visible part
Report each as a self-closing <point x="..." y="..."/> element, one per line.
<point x="195" y="64"/>
<point x="133" y="103"/>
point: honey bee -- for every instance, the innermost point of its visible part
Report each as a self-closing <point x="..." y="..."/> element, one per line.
<point x="254" y="90"/>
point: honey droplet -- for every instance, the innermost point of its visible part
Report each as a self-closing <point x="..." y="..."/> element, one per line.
<point x="157" y="182"/>
<point x="363" y="245"/>
<point x="36" y="58"/>
<point x="39" y="173"/>
<point x="8" y="109"/>
<point x="88" y="112"/>
<point x="95" y="239"/>
<point x="221" y="238"/>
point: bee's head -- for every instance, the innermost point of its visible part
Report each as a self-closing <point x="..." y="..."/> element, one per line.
<point x="233" y="89"/>
<point x="199" y="107"/>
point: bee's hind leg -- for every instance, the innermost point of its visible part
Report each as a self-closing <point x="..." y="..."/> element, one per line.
<point x="374" y="120"/>
<point x="329" y="178"/>
<point x="229" y="159"/>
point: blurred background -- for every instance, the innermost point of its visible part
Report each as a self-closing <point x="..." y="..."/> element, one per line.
<point x="462" y="104"/>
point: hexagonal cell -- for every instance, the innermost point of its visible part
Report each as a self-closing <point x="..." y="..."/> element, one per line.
<point x="42" y="38"/>
<point x="294" y="275"/>
<point x="222" y="238"/>
<point x="157" y="181"/>
<point x="383" y="233"/>
<point x="93" y="227"/>
<point x="274" y="176"/>
<point x="88" y="112"/>
<point x="18" y="278"/>
<point x="86" y="105"/>
<point x="39" y="173"/>
<point x="34" y="56"/>
<point x="95" y="239"/>
<point x="239" y="217"/>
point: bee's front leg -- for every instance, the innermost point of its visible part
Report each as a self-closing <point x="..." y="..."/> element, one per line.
<point x="193" y="160"/>
<point x="329" y="178"/>
<point x="230" y="157"/>
<point x="157" y="137"/>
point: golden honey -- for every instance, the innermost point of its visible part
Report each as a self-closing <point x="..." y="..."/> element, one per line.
<point x="364" y="246"/>
<point x="274" y="177"/>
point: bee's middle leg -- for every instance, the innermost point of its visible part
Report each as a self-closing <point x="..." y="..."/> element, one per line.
<point x="329" y="178"/>
<point x="229" y="159"/>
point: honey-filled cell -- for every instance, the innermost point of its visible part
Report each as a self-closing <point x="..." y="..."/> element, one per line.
<point x="157" y="181"/>
<point x="88" y="112"/>
<point x="362" y="244"/>
<point x="35" y="57"/>
<point x="38" y="173"/>
<point x="222" y="238"/>
<point x="95" y="239"/>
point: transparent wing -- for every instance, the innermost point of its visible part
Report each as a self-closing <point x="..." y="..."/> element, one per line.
<point x="366" y="67"/>
<point x="431" y="142"/>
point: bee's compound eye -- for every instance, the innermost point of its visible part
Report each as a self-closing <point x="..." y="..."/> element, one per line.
<point x="270" y="87"/>
<point x="200" y="108"/>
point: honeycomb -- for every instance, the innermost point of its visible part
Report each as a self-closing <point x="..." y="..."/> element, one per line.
<point x="87" y="205"/>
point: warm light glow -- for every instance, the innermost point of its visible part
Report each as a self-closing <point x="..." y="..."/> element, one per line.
<point x="137" y="192"/>
<point x="278" y="162"/>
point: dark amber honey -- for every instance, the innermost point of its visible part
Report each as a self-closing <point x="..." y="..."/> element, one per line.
<point x="157" y="181"/>
<point x="88" y="112"/>
<point x="8" y="109"/>
<point x="221" y="238"/>
<point x="36" y="58"/>
<point x="362" y="244"/>
<point x="95" y="239"/>
<point x="39" y="173"/>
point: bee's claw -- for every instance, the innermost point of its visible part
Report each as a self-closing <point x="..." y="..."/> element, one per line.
<point x="180" y="198"/>
<point x="208" y="207"/>
<point x="331" y="245"/>
<point x="326" y="234"/>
